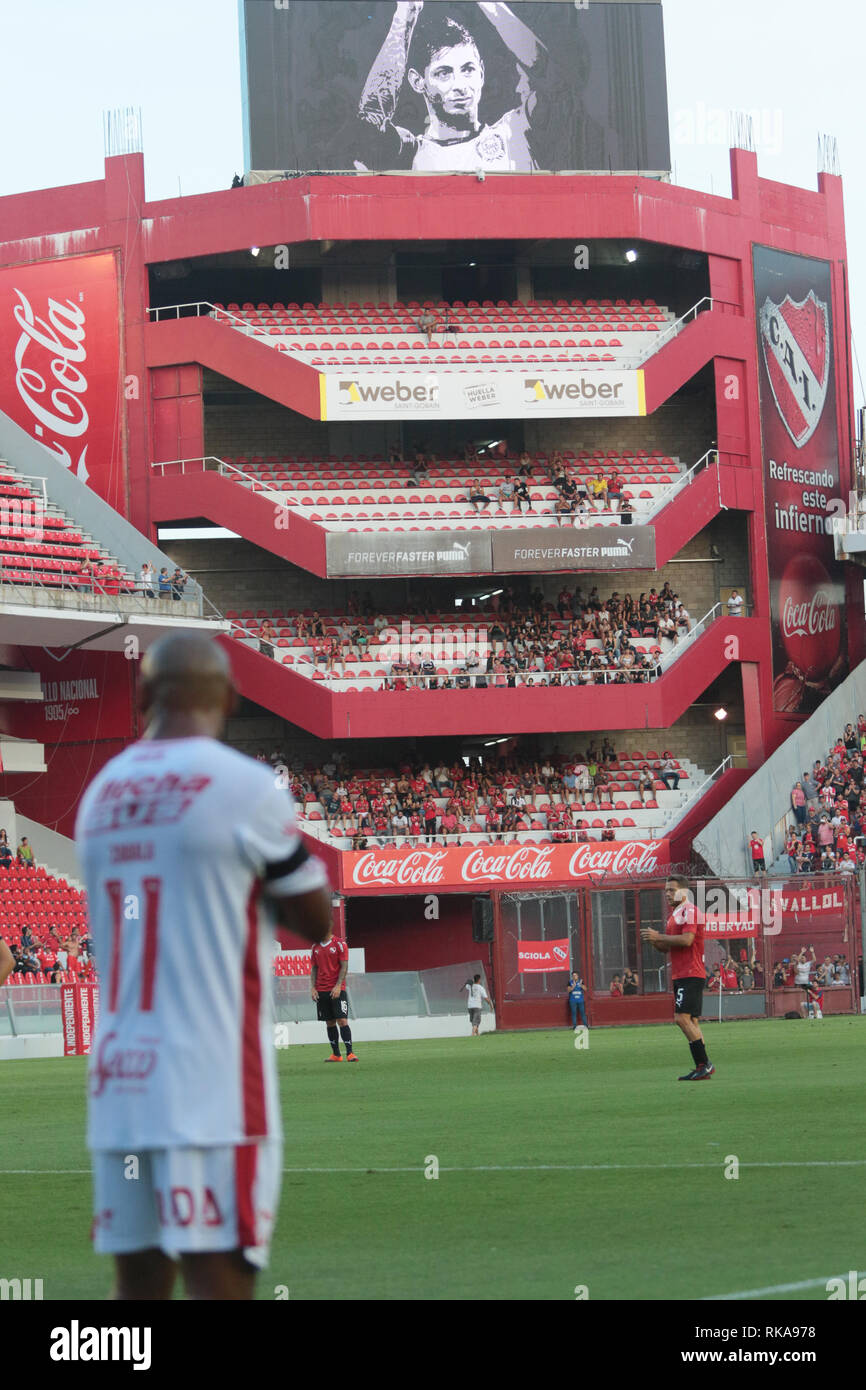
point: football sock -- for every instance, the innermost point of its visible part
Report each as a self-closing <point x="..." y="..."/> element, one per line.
<point x="699" y="1053"/>
<point x="346" y="1035"/>
<point x="332" y="1039"/>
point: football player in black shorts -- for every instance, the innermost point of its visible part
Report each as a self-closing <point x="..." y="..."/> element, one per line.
<point x="329" y="965"/>
<point x="683" y="937"/>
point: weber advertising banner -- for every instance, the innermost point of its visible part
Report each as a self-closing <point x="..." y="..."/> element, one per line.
<point x="447" y="86"/>
<point x="394" y="869"/>
<point x="61" y="373"/>
<point x="599" y="548"/>
<point x="537" y="957"/>
<point x="461" y="396"/>
<point x="797" y="379"/>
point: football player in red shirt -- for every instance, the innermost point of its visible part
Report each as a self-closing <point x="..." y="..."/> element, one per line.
<point x="684" y="938"/>
<point x="329" y="965"/>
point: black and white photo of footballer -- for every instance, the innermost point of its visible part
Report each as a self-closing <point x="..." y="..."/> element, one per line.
<point x="442" y="63"/>
<point x="455" y="86"/>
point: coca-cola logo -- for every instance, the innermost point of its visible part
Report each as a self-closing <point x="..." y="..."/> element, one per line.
<point x="631" y="857"/>
<point x="420" y="866"/>
<point x="809" y="618"/>
<point x="53" y="386"/>
<point x="122" y="1064"/>
<point x="528" y="863"/>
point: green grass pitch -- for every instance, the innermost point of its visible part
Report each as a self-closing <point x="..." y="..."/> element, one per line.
<point x="618" y="1211"/>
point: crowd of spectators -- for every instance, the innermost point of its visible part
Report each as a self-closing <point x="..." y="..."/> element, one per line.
<point x="500" y="797"/>
<point x="529" y="642"/>
<point x="828" y="809"/>
<point x="54" y="959"/>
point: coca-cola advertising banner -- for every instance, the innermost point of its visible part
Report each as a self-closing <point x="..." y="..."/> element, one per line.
<point x="393" y="870"/>
<point x="538" y="956"/>
<point x="60" y="367"/>
<point x="802" y="481"/>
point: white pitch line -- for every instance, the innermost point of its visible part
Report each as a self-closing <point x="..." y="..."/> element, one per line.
<point x="774" y="1288"/>
<point x="510" y="1168"/>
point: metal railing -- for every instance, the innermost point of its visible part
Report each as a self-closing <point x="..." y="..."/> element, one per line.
<point x="680" y="482"/>
<point x="94" y="596"/>
<point x="318" y="830"/>
<point x="694" y="795"/>
<point x="674" y="328"/>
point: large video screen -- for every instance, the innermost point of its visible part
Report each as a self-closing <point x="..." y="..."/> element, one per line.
<point x="441" y="87"/>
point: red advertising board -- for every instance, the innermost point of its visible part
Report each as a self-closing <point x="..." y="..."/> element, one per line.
<point x="803" y="487"/>
<point x="86" y="696"/>
<point x="60" y="364"/>
<point x="393" y="870"/>
<point x="538" y="956"/>
<point x="79" y="1012"/>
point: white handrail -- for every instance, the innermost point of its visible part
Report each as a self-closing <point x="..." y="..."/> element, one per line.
<point x="674" y="328"/>
<point x="679" y="483"/>
<point x="726" y="763"/>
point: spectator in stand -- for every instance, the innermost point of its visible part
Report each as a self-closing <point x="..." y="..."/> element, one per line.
<point x="598" y="488"/>
<point x="735" y="604"/>
<point x="146" y="581"/>
<point x="163" y="583"/>
<point x="616" y="986"/>
<point x="85" y="571"/>
<point x="522" y="495"/>
<point x="6" y="855"/>
<point x="477" y="495"/>
<point x="267" y="638"/>
<point x="630" y="981"/>
<point x="756" y="849"/>
<point x="178" y="584"/>
<point x="670" y="773"/>
<point x="798" y="802"/>
<point x="25" y="853"/>
<point x="427" y="323"/>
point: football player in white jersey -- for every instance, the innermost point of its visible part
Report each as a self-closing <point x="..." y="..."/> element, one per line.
<point x="446" y="69"/>
<point x="191" y="855"/>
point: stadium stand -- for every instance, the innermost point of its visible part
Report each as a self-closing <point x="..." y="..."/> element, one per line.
<point x="344" y="494"/>
<point x="827" y="817"/>
<point x="554" y="799"/>
<point x="585" y="641"/>
<point x="455" y="336"/>
<point x="42" y="914"/>
<point x="40" y="545"/>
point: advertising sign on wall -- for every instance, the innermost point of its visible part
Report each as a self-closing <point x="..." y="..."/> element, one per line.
<point x="462" y="396"/>
<point x="394" y="869"/>
<point x="802" y="479"/>
<point x="61" y="373"/>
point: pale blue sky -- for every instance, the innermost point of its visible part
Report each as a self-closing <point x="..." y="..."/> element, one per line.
<point x="796" y="64"/>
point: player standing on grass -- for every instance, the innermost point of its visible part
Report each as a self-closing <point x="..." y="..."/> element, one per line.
<point x="185" y="843"/>
<point x="329" y="965"/>
<point x="684" y="939"/>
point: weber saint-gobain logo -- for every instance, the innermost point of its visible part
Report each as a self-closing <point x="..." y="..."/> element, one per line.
<point x="795" y="337"/>
<point x="373" y="393"/>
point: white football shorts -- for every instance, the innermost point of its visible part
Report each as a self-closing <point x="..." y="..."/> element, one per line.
<point x="188" y="1201"/>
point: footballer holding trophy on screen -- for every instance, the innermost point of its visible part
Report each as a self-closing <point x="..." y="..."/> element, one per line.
<point x="441" y="61"/>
